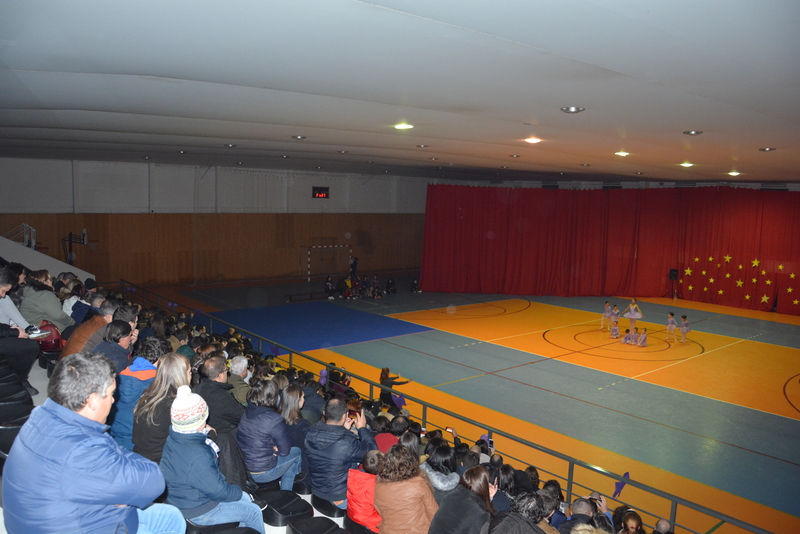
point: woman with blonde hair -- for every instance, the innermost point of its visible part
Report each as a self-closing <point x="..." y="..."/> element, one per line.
<point x="402" y="495"/>
<point x="151" y="418"/>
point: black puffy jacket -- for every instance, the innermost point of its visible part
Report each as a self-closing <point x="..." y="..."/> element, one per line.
<point x="332" y="450"/>
<point x="260" y="430"/>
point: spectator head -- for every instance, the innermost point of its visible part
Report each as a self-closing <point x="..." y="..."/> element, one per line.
<point x="506" y="480"/>
<point x="549" y="503"/>
<point x="84" y="383"/>
<point x="496" y="461"/>
<point x="129" y="314"/>
<point x="181" y="335"/>
<point x="433" y="444"/>
<point x="443" y="459"/>
<point x="663" y="526"/>
<point x="582" y="506"/>
<point x="435" y="434"/>
<point x="484" y="445"/>
<point x="95" y="300"/>
<point x="372" y="462"/>
<point x="91" y="284"/>
<point x="631" y="523"/>
<point x="476" y="479"/>
<point x="291" y="402"/>
<point x="281" y="379"/>
<point x="153" y="348"/>
<point x="533" y="474"/>
<point x="195" y="343"/>
<point x="189" y="411"/>
<point x="529" y="506"/>
<point x="410" y="441"/>
<point x="384" y="374"/>
<point x="20" y="272"/>
<point x="585" y="528"/>
<point x="471" y="459"/>
<point x="79" y="290"/>
<point x="335" y="412"/>
<point x="118" y="332"/>
<point x="7" y="281"/>
<point x="380" y="424"/>
<point x="264" y="393"/>
<point x="214" y="368"/>
<point x="553" y="488"/>
<point x="108" y="308"/>
<point x="399" y="463"/>
<point x="398" y="425"/>
<point x="416" y="428"/>
<point x="40" y="280"/>
<point x="239" y="366"/>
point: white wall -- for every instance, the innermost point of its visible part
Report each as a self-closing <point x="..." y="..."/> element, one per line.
<point x="56" y="186"/>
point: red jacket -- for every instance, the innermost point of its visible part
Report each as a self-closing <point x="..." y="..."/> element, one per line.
<point x="360" y="496"/>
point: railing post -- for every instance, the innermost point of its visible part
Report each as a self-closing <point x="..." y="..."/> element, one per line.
<point x="424" y="415"/>
<point x="371" y="392"/>
<point x="570" y="475"/>
<point x="673" y="513"/>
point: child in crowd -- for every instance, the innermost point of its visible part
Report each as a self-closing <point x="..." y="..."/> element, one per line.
<point x="672" y="326"/>
<point x="415" y="286"/>
<point x="635" y="336"/>
<point x="606" y="317"/>
<point x="643" y="338"/>
<point x="627" y="339"/>
<point x="615" y="331"/>
<point x="685" y="328"/>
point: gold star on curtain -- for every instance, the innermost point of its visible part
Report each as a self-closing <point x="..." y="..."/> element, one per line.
<point x="741" y="266"/>
<point x="756" y="262"/>
<point x="765" y="299"/>
<point x="754" y="280"/>
<point x="727" y="258"/>
<point x="720" y="292"/>
<point x="703" y="273"/>
<point x="747" y="297"/>
<point x="710" y="280"/>
<point x="697" y="259"/>
<point x="763" y="272"/>
<point x="705" y="289"/>
<point x="796" y="302"/>
<point x="739" y="283"/>
<point x="688" y="271"/>
<point x="791" y="275"/>
<point x="769" y="282"/>
<point x="780" y="267"/>
<point x="710" y="258"/>
<point x="727" y="275"/>
<point x="680" y="281"/>
<point x="789" y="289"/>
<point x="690" y="288"/>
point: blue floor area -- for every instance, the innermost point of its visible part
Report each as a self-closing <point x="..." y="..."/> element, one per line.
<point x="317" y="325"/>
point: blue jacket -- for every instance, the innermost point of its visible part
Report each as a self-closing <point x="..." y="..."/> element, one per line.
<point x="260" y="430"/>
<point x="65" y="474"/>
<point x="191" y="470"/>
<point x="332" y="450"/>
<point x="132" y="383"/>
<point x="120" y="357"/>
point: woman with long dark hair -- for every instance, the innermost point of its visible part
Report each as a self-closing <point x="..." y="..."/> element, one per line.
<point x="389" y="381"/>
<point x="292" y="402"/>
<point x="440" y="467"/>
<point x="467" y="508"/>
<point x="402" y="496"/>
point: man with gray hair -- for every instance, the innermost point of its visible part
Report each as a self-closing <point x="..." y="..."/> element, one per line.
<point x="66" y="474"/>
<point x="238" y="374"/>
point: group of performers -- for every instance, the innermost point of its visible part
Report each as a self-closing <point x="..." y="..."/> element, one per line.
<point x="610" y="320"/>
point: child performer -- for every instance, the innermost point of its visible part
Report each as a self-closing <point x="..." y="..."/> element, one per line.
<point x="615" y="314"/>
<point x="615" y="331"/>
<point x="684" y="328"/>
<point x="643" y="338"/>
<point x="606" y="317"/>
<point x="633" y="313"/>
<point x="627" y="339"/>
<point x="672" y="326"/>
<point x="635" y="336"/>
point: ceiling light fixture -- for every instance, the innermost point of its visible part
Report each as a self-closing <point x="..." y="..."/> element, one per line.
<point x="687" y="164"/>
<point x="533" y="140"/>
<point x="146" y="157"/>
<point x="319" y="167"/>
<point x="504" y="167"/>
<point x="369" y="161"/>
<point x="299" y="137"/>
<point x="572" y="109"/>
<point x="767" y="149"/>
<point x="434" y="159"/>
<point x="181" y="152"/>
<point x="239" y="163"/>
<point x="422" y="146"/>
<point x="343" y="152"/>
<point x="585" y="165"/>
<point x="284" y="157"/>
<point x="734" y="173"/>
<point x="639" y="172"/>
<point x="514" y="155"/>
<point x="693" y="132"/>
<point x="228" y="145"/>
<point x="621" y="153"/>
<point x="403" y="126"/>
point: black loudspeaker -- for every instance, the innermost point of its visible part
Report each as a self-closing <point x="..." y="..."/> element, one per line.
<point x="673" y="274"/>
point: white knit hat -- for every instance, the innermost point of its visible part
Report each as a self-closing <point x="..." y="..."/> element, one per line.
<point x="189" y="411"/>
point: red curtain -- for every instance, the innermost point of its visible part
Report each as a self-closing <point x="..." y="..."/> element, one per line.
<point x="737" y="247"/>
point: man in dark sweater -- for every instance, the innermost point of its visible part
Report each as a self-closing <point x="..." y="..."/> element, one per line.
<point x="581" y="513"/>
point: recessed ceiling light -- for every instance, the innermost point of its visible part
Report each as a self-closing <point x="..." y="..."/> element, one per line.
<point x="687" y="164"/>
<point x="514" y="155"/>
<point x="621" y="153"/>
<point x="639" y="172"/>
<point x="319" y="167"/>
<point x="422" y="146"/>
<point x="533" y="140"/>
<point x="239" y="163"/>
<point x="343" y="152"/>
<point x="369" y="161"/>
<point x="572" y="109"/>
<point x="146" y="157"/>
<point x="504" y="167"/>
<point x="385" y="171"/>
<point x="585" y="165"/>
<point x="693" y="132"/>
<point x="298" y="137"/>
<point x="228" y="145"/>
<point x="434" y="159"/>
<point x="767" y="149"/>
<point x="284" y="157"/>
<point x="733" y="173"/>
<point x="403" y="126"/>
<point x="181" y="152"/>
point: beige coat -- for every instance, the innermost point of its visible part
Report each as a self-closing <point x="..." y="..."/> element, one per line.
<point x="406" y="507"/>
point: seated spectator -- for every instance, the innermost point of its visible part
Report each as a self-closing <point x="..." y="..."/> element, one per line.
<point x="333" y="450"/>
<point x="631" y="523"/>
<point x="384" y="438"/>
<point x="15" y="346"/>
<point x="77" y="292"/>
<point x="523" y="518"/>
<point x="116" y="344"/>
<point x="527" y="480"/>
<point x="549" y="505"/>
<point x="194" y="482"/>
<point x="468" y="508"/>
<point x="236" y="379"/>
<point x="265" y="443"/>
<point x="132" y="382"/>
<point x="440" y="467"/>
<point x="471" y="459"/>
<point x="62" y="280"/>
<point x="66" y="474"/>
<point x="506" y="488"/>
<point x="151" y="419"/>
<point x="361" y="491"/>
<point x="81" y="336"/>
<point x="40" y="303"/>
<point x="553" y="488"/>
<point x="663" y="527"/>
<point x="292" y="399"/>
<point x="402" y="496"/>
<point x="183" y="343"/>
<point x="602" y="517"/>
<point x="390" y="286"/>
<point x="9" y="313"/>
<point x="415" y="286"/>
<point x="410" y="441"/>
<point x="82" y="313"/>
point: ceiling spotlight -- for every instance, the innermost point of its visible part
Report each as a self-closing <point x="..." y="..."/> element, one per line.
<point x="228" y="145"/>
<point x="319" y="167"/>
<point x="585" y="165"/>
<point x="434" y="159"/>
<point x="299" y="137"/>
<point x="504" y="167"/>
<point x="238" y="162"/>
<point x="369" y="161"/>
<point x="639" y="173"/>
<point x="284" y="157"/>
<point x="385" y="171"/>
<point x="422" y="146"/>
<point x="181" y="152"/>
<point x="621" y="153"/>
<point x="403" y="126"/>
<point x="687" y="164"/>
<point x="343" y="152"/>
<point x="733" y="173"/>
<point x="693" y="132"/>
<point x="146" y="157"/>
<point x="572" y="109"/>
<point x="514" y="155"/>
<point x="533" y="140"/>
<point x="767" y="149"/>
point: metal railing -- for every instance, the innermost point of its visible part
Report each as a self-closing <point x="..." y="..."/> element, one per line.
<point x="581" y="477"/>
<point x="24" y="233"/>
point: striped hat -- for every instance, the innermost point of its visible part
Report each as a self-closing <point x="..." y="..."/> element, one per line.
<point x="189" y="411"/>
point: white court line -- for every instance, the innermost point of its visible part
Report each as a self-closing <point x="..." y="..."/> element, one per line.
<point x="697" y="356"/>
<point x="538" y="331"/>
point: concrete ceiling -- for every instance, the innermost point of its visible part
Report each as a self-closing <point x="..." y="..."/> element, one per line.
<point x="122" y="81"/>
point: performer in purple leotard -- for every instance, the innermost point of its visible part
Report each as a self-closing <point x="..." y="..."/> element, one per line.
<point x="643" y="338"/>
<point x="672" y="326"/>
<point x="615" y="331"/>
<point x="685" y="328"/>
<point x="606" y="317"/>
<point x="632" y="312"/>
